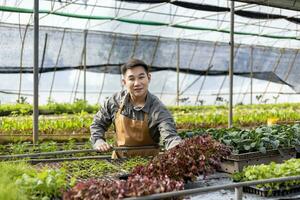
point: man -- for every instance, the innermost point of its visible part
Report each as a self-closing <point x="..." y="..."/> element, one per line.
<point x="139" y="117"/>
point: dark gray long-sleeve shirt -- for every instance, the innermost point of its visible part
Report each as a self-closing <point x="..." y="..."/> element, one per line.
<point x="160" y="121"/>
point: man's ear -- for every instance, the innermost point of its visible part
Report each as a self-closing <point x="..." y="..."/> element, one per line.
<point x="149" y="76"/>
<point x="123" y="81"/>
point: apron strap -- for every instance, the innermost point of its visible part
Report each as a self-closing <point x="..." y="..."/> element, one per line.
<point x="122" y="104"/>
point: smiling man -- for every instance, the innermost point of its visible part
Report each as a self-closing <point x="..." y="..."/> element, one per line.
<point x="139" y="117"/>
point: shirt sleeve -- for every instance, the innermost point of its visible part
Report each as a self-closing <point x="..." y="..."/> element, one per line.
<point x="167" y="129"/>
<point x="102" y="121"/>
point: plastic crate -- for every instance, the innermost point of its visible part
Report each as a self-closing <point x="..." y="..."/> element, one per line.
<point x="236" y="162"/>
<point x="265" y="192"/>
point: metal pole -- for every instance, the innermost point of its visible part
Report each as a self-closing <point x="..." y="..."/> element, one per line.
<point x="238" y="193"/>
<point x="84" y="67"/>
<point x="251" y="76"/>
<point x="177" y="71"/>
<point x="231" y="63"/>
<point x="36" y="73"/>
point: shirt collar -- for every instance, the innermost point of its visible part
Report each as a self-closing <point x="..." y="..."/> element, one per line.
<point x="146" y="107"/>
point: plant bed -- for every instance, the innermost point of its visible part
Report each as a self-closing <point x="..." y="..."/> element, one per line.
<point x="288" y="168"/>
<point x="267" y="192"/>
<point x="237" y="162"/>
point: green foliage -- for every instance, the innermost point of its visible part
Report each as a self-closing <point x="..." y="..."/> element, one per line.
<point x="257" y="172"/>
<point x="43" y="185"/>
<point x="258" y="139"/>
<point x="20" y="181"/>
<point x="89" y="168"/>
<point x="244" y="115"/>
<point x="47" y="125"/>
<point x="129" y="164"/>
<point x="48" y="146"/>
<point x="10" y="172"/>
<point x="23" y="108"/>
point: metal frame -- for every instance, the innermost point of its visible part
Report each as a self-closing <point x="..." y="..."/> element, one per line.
<point x="236" y="186"/>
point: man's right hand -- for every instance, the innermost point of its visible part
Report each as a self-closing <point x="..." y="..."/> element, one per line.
<point x="102" y="146"/>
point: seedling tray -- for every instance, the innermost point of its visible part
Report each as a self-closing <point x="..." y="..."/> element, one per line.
<point x="266" y="192"/>
<point x="236" y="162"/>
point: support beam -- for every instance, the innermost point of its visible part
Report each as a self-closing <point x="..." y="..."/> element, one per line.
<point x="36" y="73"/>
<point x="84" y="67"/>
<point x="231" y="66"/>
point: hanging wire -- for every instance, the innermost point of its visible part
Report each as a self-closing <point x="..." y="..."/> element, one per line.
<point x="77" y="82"/>
<point x="225" y="77"/>
<point x="253" y="65"/>
<point x="289" y="70"/>
<point x="166" y="77"/>
<point x="2" y="13"/>
<point x="209" y="67"/>
<point x="59" y="8"/>
<point x="79" y="71"/>
<point x="74" y="85"/>
<point x="276" y="64"/>
<point x="189" y="66"/>
<point x="108" y="61"/>
<point x="243" y="81"/>
<point x="177" y="71"/>
<point x="132" y="13"/>
<point x="177" y="15"/>
<point x="250" y="86"/>
<point x="56" y="64"/>
<point x="92" y="11"/>
<point x="43" y="56"/>
<point x="21" y="56"/>
<point x="194" y="19"/>
<point x="17" y="4"/>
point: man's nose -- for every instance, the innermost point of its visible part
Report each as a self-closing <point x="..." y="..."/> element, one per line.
<point x="137" y="82"/>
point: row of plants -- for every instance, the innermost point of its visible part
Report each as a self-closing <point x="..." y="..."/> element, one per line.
<point x="24" y="181"/>
<point x="80" y="123"/>
<point x="241" y="117"/>
<point x="261" y="139"/>
<point x="48" y="146"/>
<point x="78" y="106"/>
<point x="86" y="169"/>
<point x="20" y="181"/>
<point x="273" y="170"/>
<point x="63" y="124"/>
<point x="164" y="173"/>
<point x="50" y="108"/>
<point x="24" y="147"/>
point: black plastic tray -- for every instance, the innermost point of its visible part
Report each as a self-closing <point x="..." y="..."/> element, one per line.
<point x="265" y="192"/>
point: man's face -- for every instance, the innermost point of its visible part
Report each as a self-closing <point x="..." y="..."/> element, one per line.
<point x="136" y="81"/>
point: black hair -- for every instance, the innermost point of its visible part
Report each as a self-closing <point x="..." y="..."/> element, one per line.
<point x="134" y="63"/>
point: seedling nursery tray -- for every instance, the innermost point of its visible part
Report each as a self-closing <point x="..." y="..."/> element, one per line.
<point x="267" y="192"/>
<point x="236" y="162"/>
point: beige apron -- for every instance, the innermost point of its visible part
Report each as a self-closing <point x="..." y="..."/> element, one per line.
<point x="132" y="133"/>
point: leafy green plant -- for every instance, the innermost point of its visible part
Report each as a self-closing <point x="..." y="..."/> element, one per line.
<point x="194" y="156"/>
<point x="261" y="139"/>
<point x="43" y="185"/>
<point x="273" y="170"/>
<point x="131" y="163"/>
<point x="10" y="172"/>
<point x="89" y="168"/>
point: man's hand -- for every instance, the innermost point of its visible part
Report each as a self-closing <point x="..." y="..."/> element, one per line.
<point x="102" y="146"/>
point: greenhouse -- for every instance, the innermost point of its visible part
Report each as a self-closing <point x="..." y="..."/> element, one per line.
<point x="149" y="99"/>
